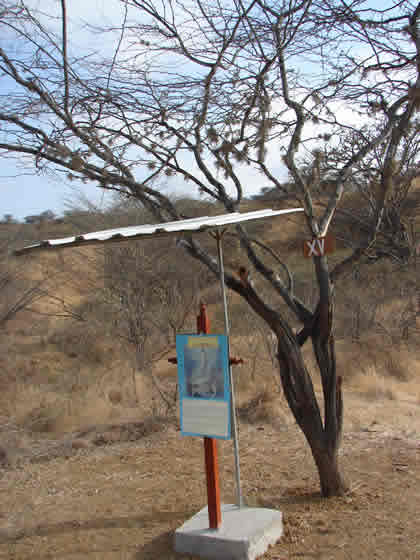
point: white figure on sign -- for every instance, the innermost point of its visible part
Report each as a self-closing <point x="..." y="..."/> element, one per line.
<point x="204" y="374"/>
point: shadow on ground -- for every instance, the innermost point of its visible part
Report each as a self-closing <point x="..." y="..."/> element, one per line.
<point x="159" y="547"/>
<point x="74" y="525"/>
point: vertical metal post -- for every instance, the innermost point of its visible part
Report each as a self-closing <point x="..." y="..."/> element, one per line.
<point x="210" y="449"/>
<point x="239" y="501"/>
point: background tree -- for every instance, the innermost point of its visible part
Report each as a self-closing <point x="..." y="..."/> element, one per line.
<point x="17" y="292"/>
<point x="8" y="219"/>
<point x="213" y="93"/>
<point x="150" y="295"/>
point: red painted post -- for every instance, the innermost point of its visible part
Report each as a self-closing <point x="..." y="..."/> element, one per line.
<point x="210" y="448"/>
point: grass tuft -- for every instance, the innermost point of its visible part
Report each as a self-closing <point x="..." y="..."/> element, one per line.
<point x="259" y="409"/>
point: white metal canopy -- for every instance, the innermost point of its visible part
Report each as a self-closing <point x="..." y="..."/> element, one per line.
<point x="198" y="225"/>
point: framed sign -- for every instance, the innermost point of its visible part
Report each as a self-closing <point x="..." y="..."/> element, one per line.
<point x="204" y="388"/>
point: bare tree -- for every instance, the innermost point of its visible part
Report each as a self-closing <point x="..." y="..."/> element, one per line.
<point x="151" y="297"/>
<point x="210" y="93"/>
<point x="19" y="291"/>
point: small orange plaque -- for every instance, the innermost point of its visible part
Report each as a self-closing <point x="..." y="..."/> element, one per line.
<point x="319" y="246"/>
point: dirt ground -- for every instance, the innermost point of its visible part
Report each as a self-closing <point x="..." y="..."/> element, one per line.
<point x="123" y="500"/>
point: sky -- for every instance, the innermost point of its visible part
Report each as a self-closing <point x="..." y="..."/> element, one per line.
<point x="24" y="194"/>
<point x="27" y="195"/>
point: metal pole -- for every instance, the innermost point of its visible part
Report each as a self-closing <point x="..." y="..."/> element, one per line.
<point x="239" y="501"/>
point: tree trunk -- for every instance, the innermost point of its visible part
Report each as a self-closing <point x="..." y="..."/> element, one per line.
<point x="330" y="478"/>
<point x="322" y="434"/>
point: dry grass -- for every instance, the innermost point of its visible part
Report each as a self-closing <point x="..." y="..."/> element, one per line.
<point x="82" y="341"/>
<point x="125" y="500"/>
<point x="80" y="397"/>
<point x="263" y="408"/>
<point x="53" y="393"/>
<point x="69" y="401"/>
<point x="59" y="375"/>
<point x="375" y="387"/>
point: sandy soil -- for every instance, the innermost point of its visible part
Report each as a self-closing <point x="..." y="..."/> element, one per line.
<point x="123" y="500"/>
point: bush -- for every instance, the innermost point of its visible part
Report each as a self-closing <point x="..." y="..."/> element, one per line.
<point x="82" y="341"/>
<point x="259" y="409"/>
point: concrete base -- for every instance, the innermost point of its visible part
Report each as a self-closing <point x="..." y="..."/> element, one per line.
<point x="244" y="534"/>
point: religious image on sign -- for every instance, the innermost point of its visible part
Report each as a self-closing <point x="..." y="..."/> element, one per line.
<point x="203" y="369"/>
<point x="203" y="376"/>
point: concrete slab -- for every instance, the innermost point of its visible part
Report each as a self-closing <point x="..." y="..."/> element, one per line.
<point x="245" y="533"/>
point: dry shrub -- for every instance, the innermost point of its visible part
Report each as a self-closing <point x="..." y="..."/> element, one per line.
<point x="40" y="419"/>
<point x="393" y="361"/>
<point x="102" y="402"/>
<point x="354" y="358"/>
<point x="259" y="409"/>
<point x="33" y="408"/>
<point x="36" y="408"/>
<point x="75" y="398"/>
<point x="378" y="393"/>
<point x="115" y="396"/>
<point x="82" y="342"/>
<point x="374" y="386"/>
<point x="401" y="363"/>
<point x="121" y="386"/>
<point x="79" y="444"/>
<point x="347" y="366"/>
<point x="260" y="368"/>
<point x="4" y="458"/>
<point x="131" y="431"/>
<point x="85" y="409"/>
<point x="13" y="440"/>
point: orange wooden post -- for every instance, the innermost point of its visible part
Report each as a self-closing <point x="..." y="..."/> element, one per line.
<point x="210" y="448"/>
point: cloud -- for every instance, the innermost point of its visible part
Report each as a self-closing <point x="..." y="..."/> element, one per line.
<point x="100" y="13"/>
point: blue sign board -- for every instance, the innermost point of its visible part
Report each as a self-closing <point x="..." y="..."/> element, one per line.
<point x="204" y="386"/>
